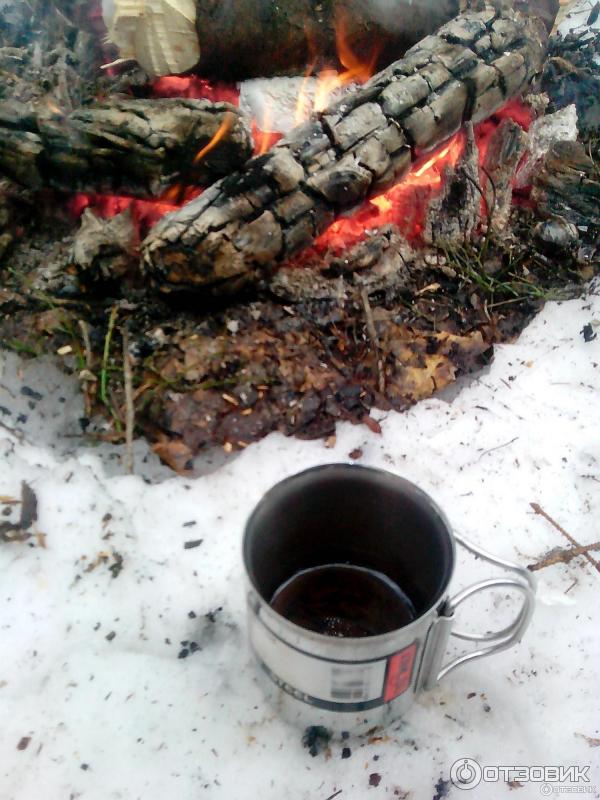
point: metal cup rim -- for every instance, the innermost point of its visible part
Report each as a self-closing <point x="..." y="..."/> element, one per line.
<point x="349" y="641"/>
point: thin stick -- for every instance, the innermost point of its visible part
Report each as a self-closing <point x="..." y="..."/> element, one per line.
<point x="539" y="510"/>
<point x="106" y="354"/>
<point x="562" y="555"/>
<point x="85" y="333"/>
<point x="498" y="447"/>
<point x="364" y="296"/>
<point x="129" y="405"/>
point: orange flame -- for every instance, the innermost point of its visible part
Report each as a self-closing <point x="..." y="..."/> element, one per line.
<point x="263" y="143"/>
<point x="330" y="80"/>
<point x="223" y="130"/>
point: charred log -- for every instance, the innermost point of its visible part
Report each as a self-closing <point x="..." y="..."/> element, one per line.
<point x="568" y="186"/>
<point x="357" y="148"/>
<point x="122" y="146"/>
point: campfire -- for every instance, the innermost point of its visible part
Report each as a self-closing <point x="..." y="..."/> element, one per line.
<point x="218" y="255"/>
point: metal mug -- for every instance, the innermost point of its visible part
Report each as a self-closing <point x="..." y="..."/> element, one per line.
<point x="349" y="514"/>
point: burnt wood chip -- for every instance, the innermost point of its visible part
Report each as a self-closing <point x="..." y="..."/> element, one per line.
<point x="27" y="391"/>
<point x="191" y="543"/>
<point x="211" y="616"/>
<point x="442" y="789"/>
<point x="17" y="531"/>
<point x="316" y="739"/>
<point x="29" y="513"/>
<point x="116" y="568"/>
<point x="588" y="333"/>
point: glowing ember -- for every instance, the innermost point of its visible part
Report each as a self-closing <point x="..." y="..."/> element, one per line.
<point x="145" y="213"/>
<point x="196" y="89"/>
<point x="404" y="204"/>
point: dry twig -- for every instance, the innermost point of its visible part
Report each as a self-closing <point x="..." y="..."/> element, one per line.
<point x="129" y="405"/>
<point x="539" y="510"/>
<point x="562" y="555"/>
<point x="364" y="296"/>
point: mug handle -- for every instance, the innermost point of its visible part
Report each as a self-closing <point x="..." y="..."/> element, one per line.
<point x="495" y="641"/>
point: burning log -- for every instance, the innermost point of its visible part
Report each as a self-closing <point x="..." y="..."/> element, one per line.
<point x="236" y="40"/>
<point x="174" y="36"/>
<point x="136" y="147"/>
<point x="357" y="148"/>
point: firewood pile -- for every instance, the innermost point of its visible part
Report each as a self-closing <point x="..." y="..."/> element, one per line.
<point x="207" y="296"/>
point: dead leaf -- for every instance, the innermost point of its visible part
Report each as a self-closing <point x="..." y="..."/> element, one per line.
<point x="175" y="453"/>
<point x="589" y="739"/>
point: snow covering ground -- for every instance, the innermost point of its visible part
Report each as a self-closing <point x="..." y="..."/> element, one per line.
<point x="95" y="702"/>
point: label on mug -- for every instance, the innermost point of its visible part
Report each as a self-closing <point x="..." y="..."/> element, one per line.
<point x="332" y="684"/>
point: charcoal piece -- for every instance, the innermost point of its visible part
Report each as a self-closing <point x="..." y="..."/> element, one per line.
<point x="372" y="155"/>
<point x="456" y="59"/>
<point x="342" y="184"/>
<point x="357" y="125"/>
<point x="347" y="153"/>
<point x="464" y="30"/>
<point x="284" y="170"/>
<point x="421" y="126"/>
<point x="104" y="249"/>
<point x="400" y="165"/>
<point x="506" y="147"/>
<point x="288" y="208"/>
<point x="400" y="96"/>
<point x="454" y="214"/>
<point x="435" y="74"/>
<point x="448" y="106"/>
<point x="486" y="103"/>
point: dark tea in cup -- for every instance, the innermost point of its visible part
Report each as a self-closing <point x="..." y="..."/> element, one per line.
<point x="343" y="600"/>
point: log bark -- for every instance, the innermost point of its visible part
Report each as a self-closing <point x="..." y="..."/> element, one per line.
<point x="359" y="147"/>
<point x="122" y="146"/>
